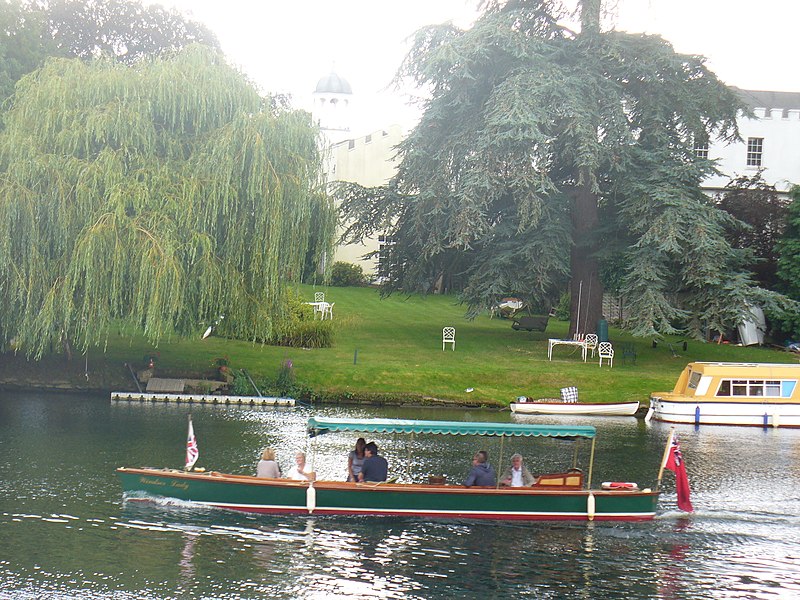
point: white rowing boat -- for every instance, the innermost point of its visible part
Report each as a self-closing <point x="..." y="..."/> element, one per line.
<point x="545" y="407"/>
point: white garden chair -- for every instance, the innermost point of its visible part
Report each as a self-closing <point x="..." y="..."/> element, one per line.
<point x="591" y="342"/>
<point x="319" y="296"/>
<point x="606" y="351"/>
<point x="327" y="309"/>
<point x="449" y="337"/>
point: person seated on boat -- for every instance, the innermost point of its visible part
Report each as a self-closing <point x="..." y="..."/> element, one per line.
<point x="267" y="467"/>
<point x="482" y="472"/>
<point x="375" y="467"/>
<point x="517" y="475"/>
<point x="301" y="471"/>
<point x="355" y="460"/>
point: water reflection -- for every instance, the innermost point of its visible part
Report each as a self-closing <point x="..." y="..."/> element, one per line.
<point x="66" y="532"/>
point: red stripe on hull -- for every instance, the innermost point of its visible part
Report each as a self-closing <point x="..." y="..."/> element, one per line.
<point x="435" y="515"/>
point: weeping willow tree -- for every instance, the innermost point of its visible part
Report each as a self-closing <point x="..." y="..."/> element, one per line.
<point x="158" y="196"/>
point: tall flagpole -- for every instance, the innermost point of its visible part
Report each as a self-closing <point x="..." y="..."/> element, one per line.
<point x="192" y="451"/>
<point x="665" y="457"/>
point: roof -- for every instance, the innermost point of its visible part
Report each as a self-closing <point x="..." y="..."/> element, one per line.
<point x="320" y="425"/>
<point x="333" y="84"/>
<point x="770" y="100"/>
<point x="745" y="370"/>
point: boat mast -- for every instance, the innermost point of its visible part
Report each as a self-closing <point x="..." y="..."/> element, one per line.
<point x="591" y="466"/>
<point x="664" y="458"/>
<point x="500" y="461"/>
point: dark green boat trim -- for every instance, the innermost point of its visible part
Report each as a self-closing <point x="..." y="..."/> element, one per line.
<point x="251" y="494"/>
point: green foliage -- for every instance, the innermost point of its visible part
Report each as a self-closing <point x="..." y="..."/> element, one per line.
<point x="788" y="248"/>
<point x="160" y="195"/>
<point x="127" y="30"/>
<point x="761" y="217"/>
<point x="286" y="379"/>
<point x="347" y="274"/>
<point x="241" y="385"/>
<point x="788" y="271"/>
<point x="23" y="43"/>
<point x="562" y="308"/>
<point x="298" y="328"/>
<point x="305" y="334"/>
<point x="505" y="183"/>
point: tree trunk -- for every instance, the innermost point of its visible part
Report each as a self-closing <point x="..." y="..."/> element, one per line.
<point x="586" y="290"/>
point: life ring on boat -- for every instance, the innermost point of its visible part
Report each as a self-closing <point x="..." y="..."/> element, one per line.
<point x="619" y="485"/>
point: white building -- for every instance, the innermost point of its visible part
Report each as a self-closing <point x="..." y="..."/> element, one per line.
<point x="364" y="158"/>
<point x="770" y="142"/>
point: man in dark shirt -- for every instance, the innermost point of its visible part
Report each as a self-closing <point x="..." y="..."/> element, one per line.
<point x="375" y="467"/>
<point x="482" y="472"/>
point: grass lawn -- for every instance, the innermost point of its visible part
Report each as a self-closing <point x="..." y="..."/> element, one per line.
<point x="393" y="347"/>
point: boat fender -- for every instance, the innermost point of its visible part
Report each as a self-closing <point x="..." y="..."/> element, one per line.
<point x="649" y="415"/>
<point x="311" y="498"/>
<point x="619" y="485"/>
<point x="590" y="507"/>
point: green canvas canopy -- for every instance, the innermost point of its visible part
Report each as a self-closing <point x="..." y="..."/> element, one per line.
<point x="320" y="425"/>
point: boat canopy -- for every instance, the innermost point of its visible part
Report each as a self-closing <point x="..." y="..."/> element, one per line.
<point x="320" y="425"/>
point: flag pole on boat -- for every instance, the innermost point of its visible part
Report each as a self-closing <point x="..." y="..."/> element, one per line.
<point x="665" y="457"/>
<point x="192" y="452"/>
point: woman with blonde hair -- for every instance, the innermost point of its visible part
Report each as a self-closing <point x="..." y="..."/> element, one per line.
<point x="267" y="467"/>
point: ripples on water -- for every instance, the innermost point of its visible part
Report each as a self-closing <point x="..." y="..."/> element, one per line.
<point x="67" y="534"/>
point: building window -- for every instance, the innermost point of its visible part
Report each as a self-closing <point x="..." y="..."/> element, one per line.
<point x="351" y="144"/>
<point x="755" y="149"/>
<point x="367" y="138"/>
<point x="701" y="149"/>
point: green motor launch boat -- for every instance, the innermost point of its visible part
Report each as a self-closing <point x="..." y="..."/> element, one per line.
<point x="555" y="496"/>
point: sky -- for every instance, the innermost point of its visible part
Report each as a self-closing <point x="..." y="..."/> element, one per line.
<point x="287" y="46"/>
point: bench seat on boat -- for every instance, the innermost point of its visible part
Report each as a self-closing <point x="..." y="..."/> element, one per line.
<point x="571" y="479"/>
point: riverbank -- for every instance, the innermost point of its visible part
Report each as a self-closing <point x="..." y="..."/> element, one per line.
<point x="389" y="352"/>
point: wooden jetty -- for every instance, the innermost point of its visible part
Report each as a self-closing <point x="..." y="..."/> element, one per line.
<point x="201" y="399"/>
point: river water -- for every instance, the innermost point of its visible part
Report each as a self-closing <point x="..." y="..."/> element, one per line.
<point x="65" y="531"/>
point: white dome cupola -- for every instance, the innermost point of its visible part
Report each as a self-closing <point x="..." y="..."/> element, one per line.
<point x="333" y="99"/>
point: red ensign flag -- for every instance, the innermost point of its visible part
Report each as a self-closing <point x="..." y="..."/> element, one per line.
<point x="676" y="465"/>
<point x="192" y="452"/>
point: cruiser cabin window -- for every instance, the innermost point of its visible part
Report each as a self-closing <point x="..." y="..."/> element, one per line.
<point x="756" y="388"/>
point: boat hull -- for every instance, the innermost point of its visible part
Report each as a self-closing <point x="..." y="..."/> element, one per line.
<point x="574" y="408"/>
<point x="251" y="494"/>
<point x="754" y="414"/>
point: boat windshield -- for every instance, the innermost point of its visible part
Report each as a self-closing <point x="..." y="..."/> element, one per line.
<point x="319" y="425"/>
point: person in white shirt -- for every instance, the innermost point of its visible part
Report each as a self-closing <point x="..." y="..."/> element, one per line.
<point x="301" y="471"/>
<point x="517" y="475"/>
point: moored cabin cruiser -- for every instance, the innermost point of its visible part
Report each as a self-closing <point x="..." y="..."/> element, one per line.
<point x="717" y="393"/>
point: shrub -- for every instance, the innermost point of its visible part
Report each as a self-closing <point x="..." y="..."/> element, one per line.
<point x="306" y="334"/>
<point x="562" y="309"/>
<point x="299" y="329"/>
<point x="285" y="382"/>
<point x="347" y="275"/>
<point x="241" y="385"/>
